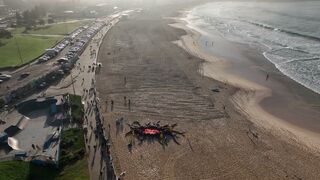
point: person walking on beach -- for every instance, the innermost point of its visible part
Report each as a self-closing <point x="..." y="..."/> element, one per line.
<point x="106" y="106"/>
<point x="129" y="104"/>
<point x="125" y="100"/>
<point x="267" y="77"/>
<point x="111" y="105"/>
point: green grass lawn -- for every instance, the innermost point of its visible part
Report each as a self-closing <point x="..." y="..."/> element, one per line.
<point x="33" y="46"/>
<point x="58" y="29"/>
<point x="74" y="165"/>
<point x="73" y="160"/>
<point x="77" y="171"/>
<point x="20" y="170"/>
<point x="30" y="48"/>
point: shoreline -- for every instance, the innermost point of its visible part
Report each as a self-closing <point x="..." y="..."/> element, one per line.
<point x="252" y="98"/>
<point x="164" y="83"/>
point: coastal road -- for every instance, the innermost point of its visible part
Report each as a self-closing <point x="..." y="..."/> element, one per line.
<point x="35" y="70"/>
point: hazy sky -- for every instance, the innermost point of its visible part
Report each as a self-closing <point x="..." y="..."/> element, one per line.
<point x="107" y="1"/>
<point x="92" y="2"/>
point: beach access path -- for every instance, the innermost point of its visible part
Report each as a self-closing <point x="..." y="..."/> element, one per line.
<point x="81" y="81"/>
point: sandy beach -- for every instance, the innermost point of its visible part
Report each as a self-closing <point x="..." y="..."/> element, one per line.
<point x="278" y="104"/>
<point x="160" y="65"/>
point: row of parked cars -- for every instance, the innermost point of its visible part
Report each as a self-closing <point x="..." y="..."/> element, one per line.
<point x="75" y="33"/>
<point x="79" y="42"/>
<point x="71" y="53"/>
<point x="77" y="45"/>
<point x="51" y="53"/>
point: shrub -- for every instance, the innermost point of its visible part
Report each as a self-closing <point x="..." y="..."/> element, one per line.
<point x="2" y="103"/>
<point x="5" y="34"/>
<point x="50" y="21"/>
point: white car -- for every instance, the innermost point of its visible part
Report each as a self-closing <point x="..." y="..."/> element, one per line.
<point x="63" y="60"/>
<point x="4" y="77"/>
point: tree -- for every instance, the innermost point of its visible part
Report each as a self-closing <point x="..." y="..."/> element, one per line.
<point x="50" y="21"/>
<point x="18" y="18"/>
<point x="28" y="19"/>
<point x="41" y="10"/>
<point x="33" y="14"/>
<point x="26" y="16"/>
<point x="41" y="22"/>
<point x="5" y="34"/>
<point x="2" y="103"/>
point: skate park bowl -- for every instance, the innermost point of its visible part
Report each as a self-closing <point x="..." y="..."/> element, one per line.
<point x="35" y="104"/>
<point x="31" y="128"/>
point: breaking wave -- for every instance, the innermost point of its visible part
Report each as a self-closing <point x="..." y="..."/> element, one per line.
<point x="288" y="36"/>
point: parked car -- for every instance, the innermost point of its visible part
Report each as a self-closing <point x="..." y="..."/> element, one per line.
<point x="60" y="71"/>
<point x="24" y="75"/>
<point x="63" y="60"/>
<point x="44" y="59"/>
<point x="51" y="52"/>
<point x="41" y="60"/>
<point x="5" y="77"/>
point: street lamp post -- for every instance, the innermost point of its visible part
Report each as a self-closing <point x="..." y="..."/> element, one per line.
<point x="18" y="48"/>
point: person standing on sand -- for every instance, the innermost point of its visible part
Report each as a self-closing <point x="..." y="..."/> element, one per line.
<point x="106" y="106"/>
<point x="111" y="105"/>
<point x="129" y="104"/>
<point x="267" y="77"/>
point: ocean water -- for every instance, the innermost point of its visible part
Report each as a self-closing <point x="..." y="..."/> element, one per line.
<point x="288" y="33"/>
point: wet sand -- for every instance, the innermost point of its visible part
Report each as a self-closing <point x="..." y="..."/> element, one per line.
<point x="142" y="62"/>
<point x="289" y="101"/>
<point x="276" y="103"/>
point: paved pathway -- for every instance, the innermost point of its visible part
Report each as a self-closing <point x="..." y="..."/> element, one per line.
<point x="81" y="82"/>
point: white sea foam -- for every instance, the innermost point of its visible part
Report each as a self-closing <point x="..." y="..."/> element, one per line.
<point x="288" y="33"/>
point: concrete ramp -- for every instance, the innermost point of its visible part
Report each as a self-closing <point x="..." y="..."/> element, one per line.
<point x="23" y="122"/>
<point x="13" y="143"/>
<point x="15" y="129"/>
